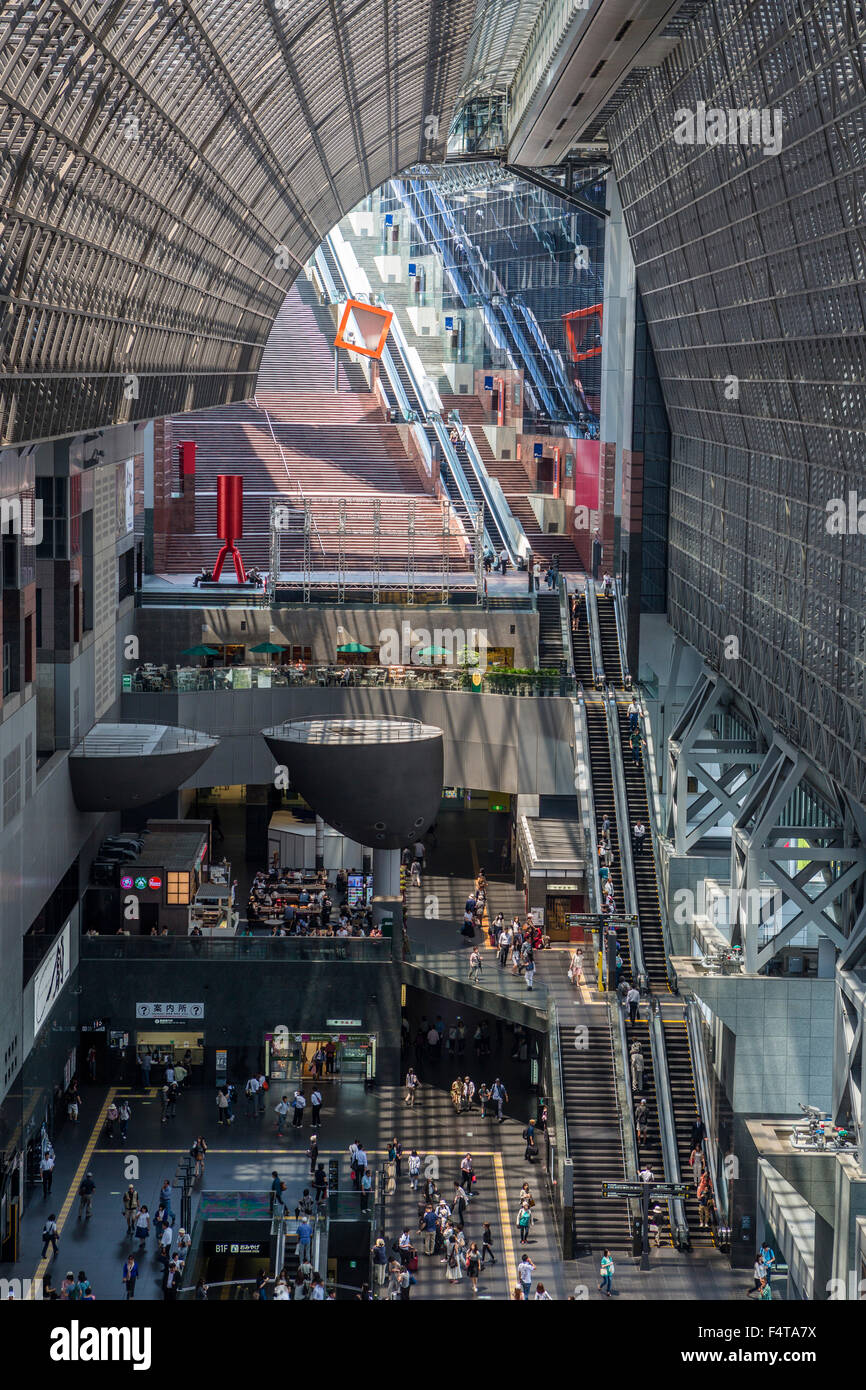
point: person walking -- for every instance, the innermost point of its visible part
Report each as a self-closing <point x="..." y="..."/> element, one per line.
<point x="50" y="1236"/>
<point x="525" y="1271"/>
<point x="606" y="1273"/>
<point x="487" y="1246"/>
<point x="411" y="1086"/>
<point x="475" y="965"/>
<point x="499" y="1096"/>
<point x="769" y="1258"/>
<point x="278" y="1187"/>
<point x="282" y="1110"/>
<point x="298" y="1105"/>
<point x="428" y="1227"/>
<point x="473" y="1265"/>
<point x="759" y="1274"/>
<point x="505" y="939"/>
<point x="86" y="1190"/>
<point x="197" y="1151"/>
<point x="46" y="1169"/>
<point x="633" y="714"/>
<point x="251" y="1092"/>
<point x="316" y="1105"/>
<point x="636" y="741"/>
<point x="632" y="999"/>
<point x="131" y="1207"/>
<point x="575" y="969"/>
<point x="524" y="1221"/>
<point x="414" y="1169"/>
<point x="636" y="1060"/>
<point x="145" y="1063"/>
<point x="123" y="1114"/>
<point x="529" y="966"/>
<point x="130" y="1274"/>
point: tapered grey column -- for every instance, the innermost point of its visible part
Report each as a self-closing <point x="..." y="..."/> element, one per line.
<point x="320" y="843"/>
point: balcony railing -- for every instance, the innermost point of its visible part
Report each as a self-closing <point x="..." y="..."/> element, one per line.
<point x="187" y="680"/>
<point x="269" y="948"/>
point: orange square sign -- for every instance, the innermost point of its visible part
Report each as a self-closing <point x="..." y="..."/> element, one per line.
<point x="363" y="328"/>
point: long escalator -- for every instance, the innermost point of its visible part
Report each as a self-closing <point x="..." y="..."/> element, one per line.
<point x="581" y="650"/>
<point x="650" y="1153"/>
<point x="602" y="791"/>
<point x="685" y="1105"/>
<point x="646" y="885"/>
<point x="609" y="640"/>
<point x="595" y="1146"/>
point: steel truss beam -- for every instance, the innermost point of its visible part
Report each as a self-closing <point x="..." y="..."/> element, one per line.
<point x="692" y="747"/>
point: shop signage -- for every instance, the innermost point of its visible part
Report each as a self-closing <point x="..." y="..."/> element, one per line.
<point x="413" y="269"/>
<point x="50" y="978"/>
<point x="449" y="324"/>
<point x="488" y="383"/>
<point x="343" y="1022"/>
<point x="169" y="1013"/>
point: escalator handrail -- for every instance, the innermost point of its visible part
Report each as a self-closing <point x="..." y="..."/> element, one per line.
<point x="703" y="1095"/>
<point x="626" y="867"/>
<point x="547" y="352"/>
<point x="556" y="1070"/>
<point x="630" y="1150"/>
<point x="324" y="272"/>
<point x="565" y="624"/>
<point x="395" y="383"/>
<point x="463" y="489"/>
<point x="586" y="800"/>
<point x="650" y="787"/>
<point x="598" y="670"/>
<point x="667" y="1123"/>
<point x="509" y="528"/>
<point x="619" y="617"/>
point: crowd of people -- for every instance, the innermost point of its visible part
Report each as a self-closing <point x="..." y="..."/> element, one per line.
<point x="292" y="905"/>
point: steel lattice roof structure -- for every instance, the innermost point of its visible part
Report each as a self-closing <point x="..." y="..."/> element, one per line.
<point x="167" y="167"/>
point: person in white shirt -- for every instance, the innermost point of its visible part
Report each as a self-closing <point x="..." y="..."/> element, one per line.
<point x="316" y="1107"/>
<point x="298" y="1104"/>
<point x="262" y="1091"/>
<point x="282" y="1109"/>
<point x="252" y="1090"/>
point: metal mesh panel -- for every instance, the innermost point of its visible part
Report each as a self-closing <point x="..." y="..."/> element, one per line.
<point x="750" y="266"/>
<point x="157" y="156"/>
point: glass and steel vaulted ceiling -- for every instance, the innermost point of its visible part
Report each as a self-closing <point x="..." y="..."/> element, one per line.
<point x="167" y="166"/>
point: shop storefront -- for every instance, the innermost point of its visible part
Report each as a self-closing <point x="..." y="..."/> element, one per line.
<point x="168" y="1030"/>
<point x="334" y="1055"/>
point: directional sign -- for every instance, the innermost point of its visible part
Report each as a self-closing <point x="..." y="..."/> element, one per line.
<point x="637" y="1189"/>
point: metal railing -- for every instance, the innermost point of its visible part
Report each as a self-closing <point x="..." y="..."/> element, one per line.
<point x="188" y="681"/>
<point x="234" y="948"/>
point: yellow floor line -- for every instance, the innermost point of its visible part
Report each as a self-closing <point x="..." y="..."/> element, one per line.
<point x="72" y="1194"/>
<point x="505" y="1220"/>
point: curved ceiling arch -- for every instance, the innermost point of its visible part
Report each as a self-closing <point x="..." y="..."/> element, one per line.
<point x="169" y="167"/>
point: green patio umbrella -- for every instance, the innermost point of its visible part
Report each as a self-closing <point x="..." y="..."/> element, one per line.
<point x="270" y="647"/>
<point x="200" y="650"/>
<point x="434" y="651"/>
<point x="355" y="647"/>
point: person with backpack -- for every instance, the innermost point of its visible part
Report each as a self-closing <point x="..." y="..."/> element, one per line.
<point x="197" y="1151"/>
<point x="278" y="1187"/>
<point x="131" y="1207"/>
<point x="50" y="1236"/>
<point x="85" y="1196"/>
<point x="414" y="1167"/>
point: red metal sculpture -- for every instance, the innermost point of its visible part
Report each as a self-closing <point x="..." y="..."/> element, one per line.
<point x="230" y="522"/>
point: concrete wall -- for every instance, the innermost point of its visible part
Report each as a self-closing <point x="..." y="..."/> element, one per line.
<point x="492" y="742"/>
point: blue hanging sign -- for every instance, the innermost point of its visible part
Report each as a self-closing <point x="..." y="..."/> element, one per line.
<point x="449" y="324"/>
<point x="389" y="219"/>
<point x="413" y="269"/>
<point x="488" y="383"/>
<point x="538" y="451"/>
